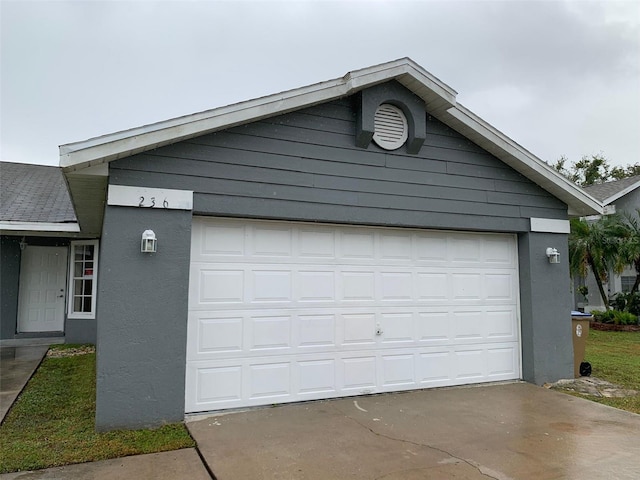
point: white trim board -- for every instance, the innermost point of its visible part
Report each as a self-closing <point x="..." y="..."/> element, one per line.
<point x="146" y="197"/>
<point x="550" y="225"/>
<point x="40" y="226"/>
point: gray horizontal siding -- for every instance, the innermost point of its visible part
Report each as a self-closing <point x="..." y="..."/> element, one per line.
<point x="305" y="165"/>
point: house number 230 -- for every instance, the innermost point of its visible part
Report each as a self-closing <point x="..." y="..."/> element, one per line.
<point x="152" y="203"/>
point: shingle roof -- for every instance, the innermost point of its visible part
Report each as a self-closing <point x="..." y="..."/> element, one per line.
<point x="34" y="193"/>
<point x="605" y="191"/>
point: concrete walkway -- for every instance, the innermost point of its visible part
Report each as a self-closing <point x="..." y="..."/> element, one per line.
<point x="167" y="465"/>
<point x="17" y="364"/>
<point x="510" y="431"/>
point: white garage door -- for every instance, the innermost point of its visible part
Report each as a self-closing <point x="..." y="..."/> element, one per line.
<point x="282" y="312"/>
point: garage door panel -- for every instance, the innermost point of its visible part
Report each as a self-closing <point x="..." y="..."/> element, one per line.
<point x="271" y="332"/>
<point x="220" y="286"/>
<point x="232" y="333"/>
<point x="465" y="249"/>
<point x="358" y="329"/>
<point x="316" y="377"/>
<point x="233" y="383"/>
<point x="215" y="386"/>
<point x="501" y="324"/>
<point x="433" y="327"/>
<point x="468" y="325"/>
<point x="316" y="331"/>
<point x="282" y="312"/>
<point x="432" y="286"/>
<point x="397" y="369"/>
<point x="397" y="328"/>
<point x="220" y="240"/>
<point x="434" y="368"/>
<point x="396" y="285"/>
<point x="316" y="243"/>
<point x="502" y="362"/>
<point x="315" y="286"/>
<point x="357" y="286"/>
<point x="269" y="380"/>
<point x="223" y="334"/>
<point x="271" y="286"/>
<point x="356" y="244"/>
<point x="359" y="373"/>
<point x="271" y="242"/>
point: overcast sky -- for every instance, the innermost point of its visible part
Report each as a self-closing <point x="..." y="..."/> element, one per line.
<point x="558" y="77"/>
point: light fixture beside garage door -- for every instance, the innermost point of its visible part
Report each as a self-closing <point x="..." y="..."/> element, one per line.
<point x="149" y="242"/>
<point x="553" y="255"/>
<point x="390" y="127"/>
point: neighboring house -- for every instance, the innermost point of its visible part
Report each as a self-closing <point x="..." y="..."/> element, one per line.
<point x="46" y="264"/>
<point x="361" y="235"/>
<point x="622" y="197"/>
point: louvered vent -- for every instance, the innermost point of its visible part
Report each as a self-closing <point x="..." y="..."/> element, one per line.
<point x="390" y="127"/>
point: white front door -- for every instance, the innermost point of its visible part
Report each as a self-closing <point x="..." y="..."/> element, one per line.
<point x="42" y="289"/>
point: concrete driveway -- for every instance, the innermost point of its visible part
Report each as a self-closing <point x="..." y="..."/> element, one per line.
<point x="507" y="431"/>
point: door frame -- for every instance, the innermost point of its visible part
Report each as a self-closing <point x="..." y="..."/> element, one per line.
<point x="26" y="277"/>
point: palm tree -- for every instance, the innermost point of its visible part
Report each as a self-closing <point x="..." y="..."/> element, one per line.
<point x="630" y="247"/>
<point x="594" y="246"/>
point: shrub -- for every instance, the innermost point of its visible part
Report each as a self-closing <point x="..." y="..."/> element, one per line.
<point x="616" y="317"/>
<point x="602" y="317"/>
<point x="627" y="302"/>
<point x="624" y="318"/>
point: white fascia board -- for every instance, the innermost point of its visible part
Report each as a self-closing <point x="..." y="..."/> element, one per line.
<point x="621" y="193"/>
<point x="79" y="155"/>
<point x="552" y="179"/>
<point x="39" y="227"/>
<point x="113" y="146"/>
<point x="550" y="225"/>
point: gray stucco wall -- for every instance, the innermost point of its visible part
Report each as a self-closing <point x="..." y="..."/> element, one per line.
<point x="9" y="284"/>
<point x="142" y="307"/>
<point x="303" y="166"/>
<point x="80" y="330"/>
<point x="545" y="306"/>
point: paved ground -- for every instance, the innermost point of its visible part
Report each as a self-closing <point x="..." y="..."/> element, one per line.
<point x="17" y="364"/>
<point x="510" y="431"/>
<point x="155" y="466"/>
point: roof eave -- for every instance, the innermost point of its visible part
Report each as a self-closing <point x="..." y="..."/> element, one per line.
<point x="20" y="226"/>
<point x="489" y="138"/>
<point x="437" y="97"/>
<point x="621" y="193"/>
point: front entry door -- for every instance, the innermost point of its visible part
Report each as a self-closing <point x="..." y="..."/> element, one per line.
<point x="42" y="289"/>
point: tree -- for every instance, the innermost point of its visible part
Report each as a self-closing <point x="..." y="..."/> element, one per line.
<point x="629" y="252"/>
<point x="618" y="173"/>
<point x="594" y="246"/>
<point x="594" y="169"/>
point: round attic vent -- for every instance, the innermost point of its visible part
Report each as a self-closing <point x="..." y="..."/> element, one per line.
<point x="390" y="127"/>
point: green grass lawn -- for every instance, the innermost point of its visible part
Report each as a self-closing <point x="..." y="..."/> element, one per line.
<point x="615" y="357"/>
<point x="52" y="423"/>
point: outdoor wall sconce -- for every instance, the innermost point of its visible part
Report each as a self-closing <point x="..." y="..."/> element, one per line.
<point x="23" y="244"/>
<point x="553" y="255"/>
<point x="149" y="242"/>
